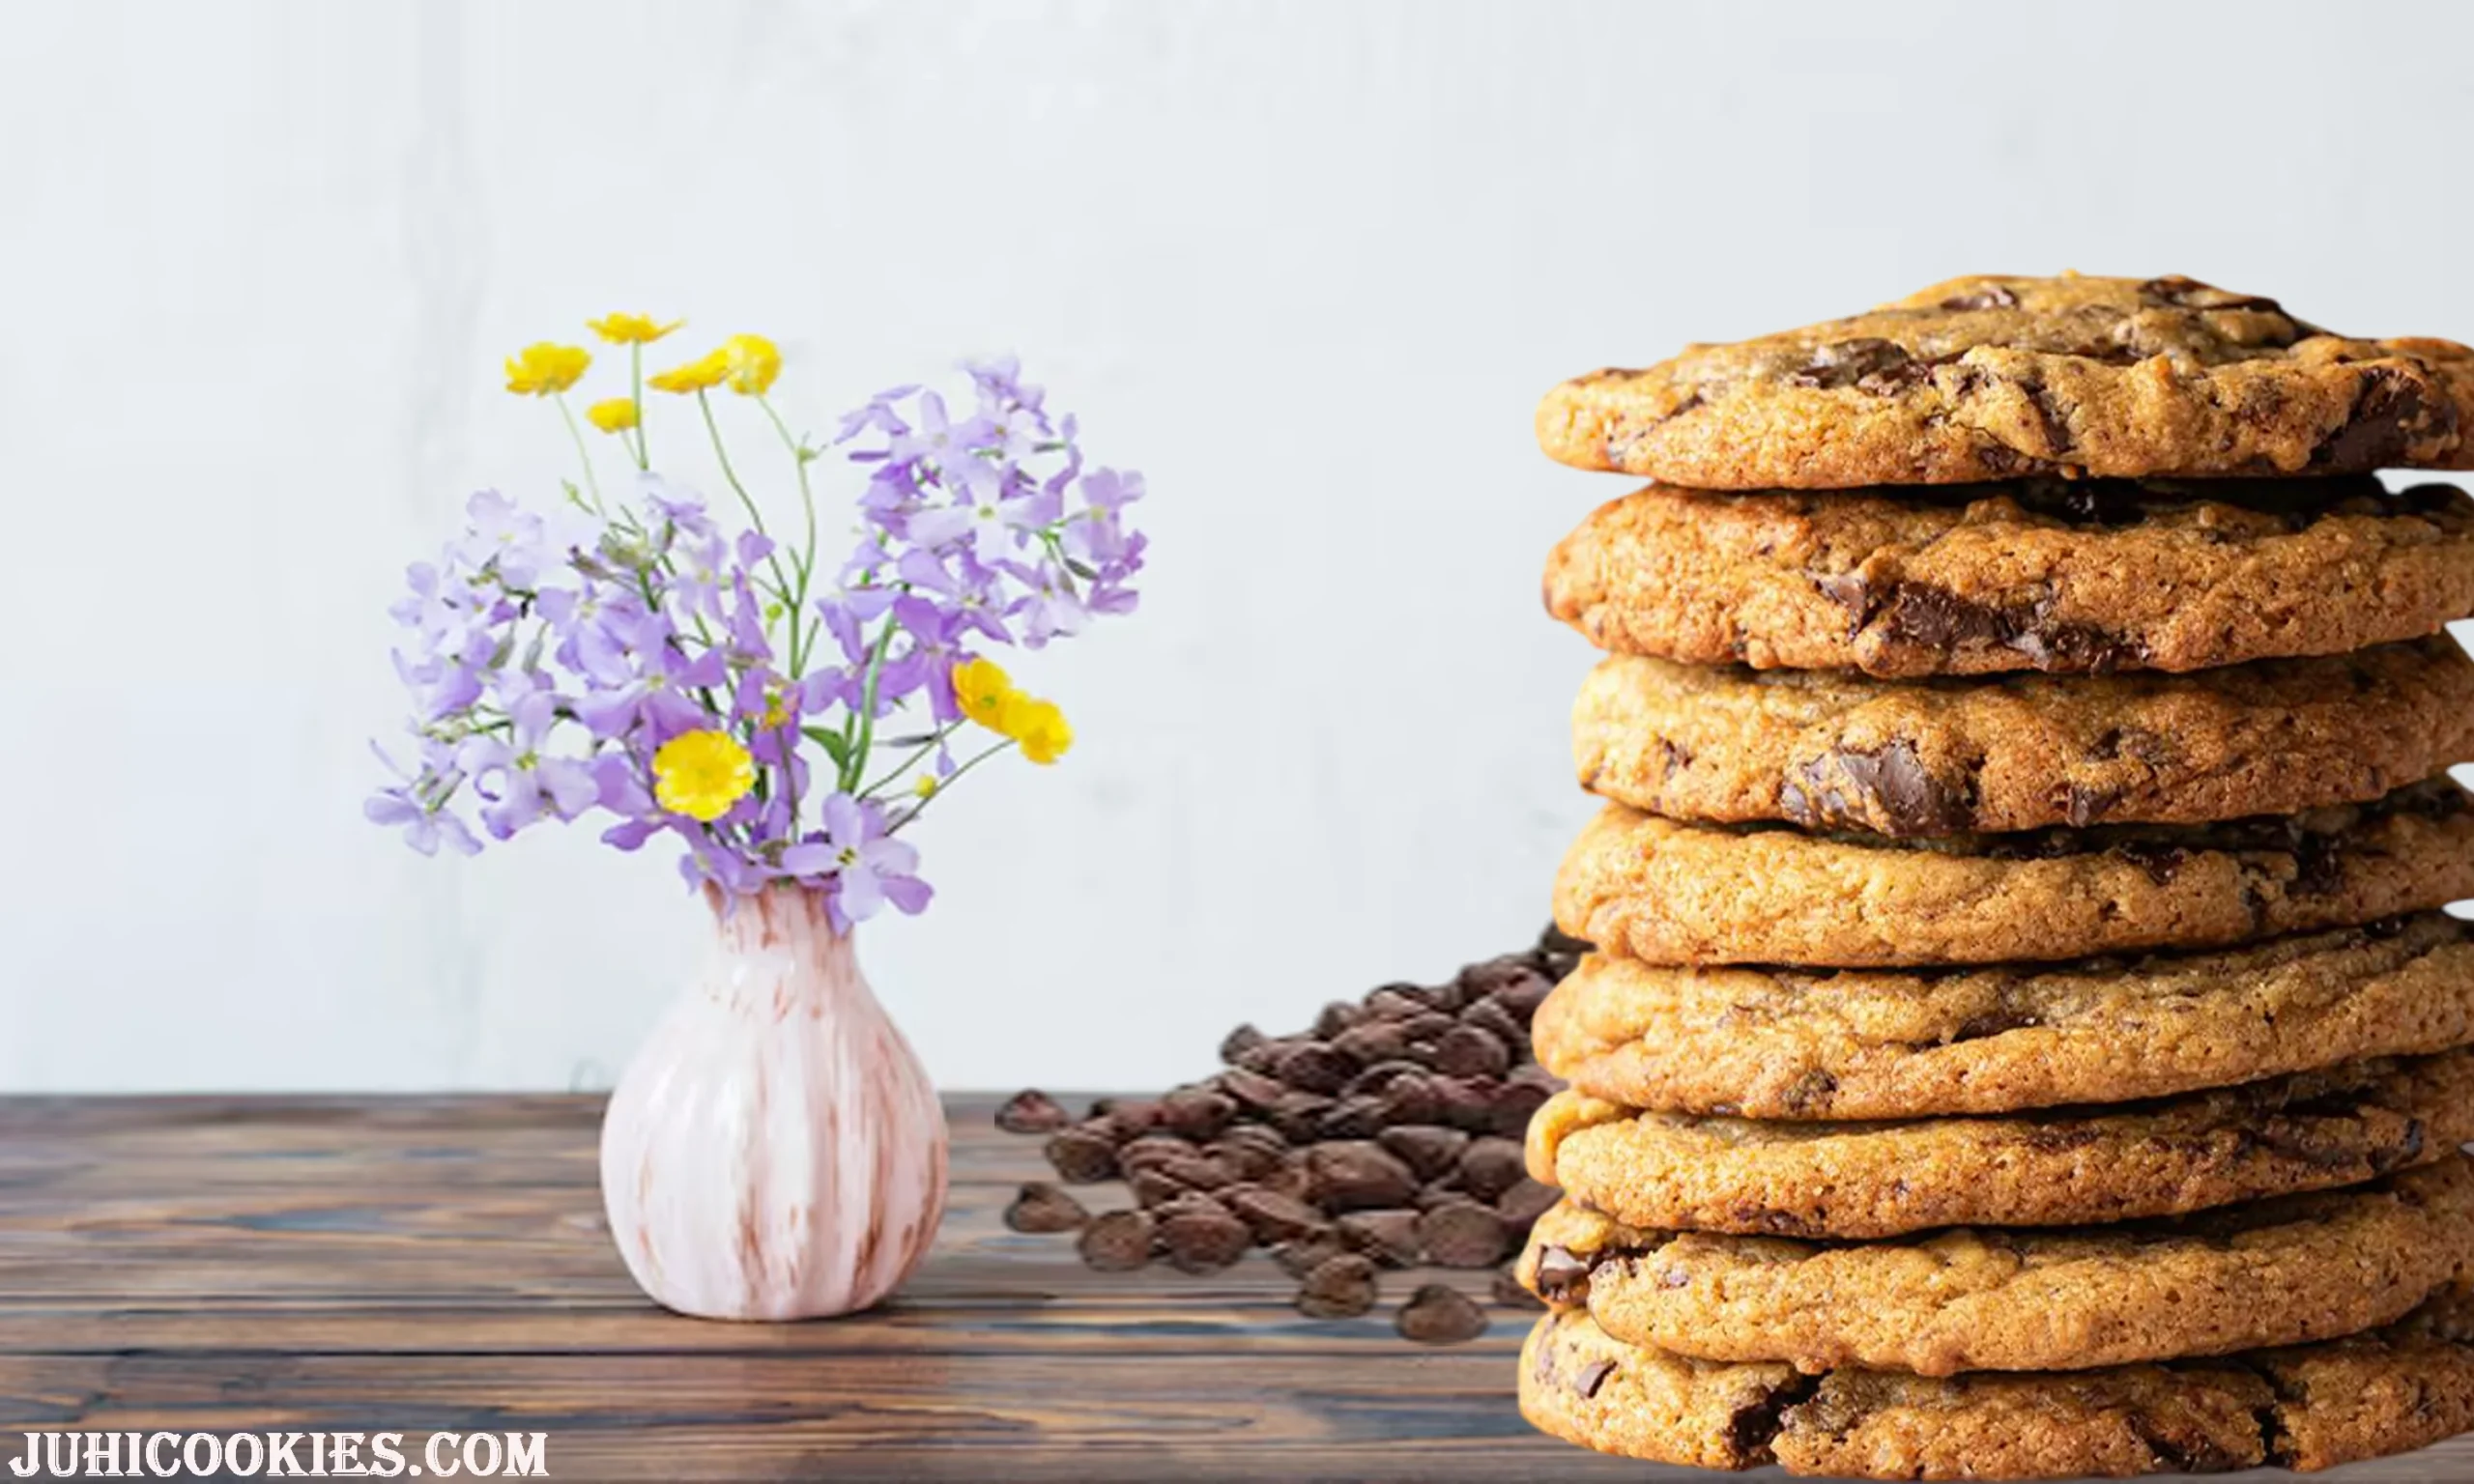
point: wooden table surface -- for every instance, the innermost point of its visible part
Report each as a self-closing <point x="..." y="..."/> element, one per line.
<point x="421" y="1264"/>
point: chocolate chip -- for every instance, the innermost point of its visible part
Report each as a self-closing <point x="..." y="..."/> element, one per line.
<point x="1040" y="1206"/>
<point x="1379" y="1076"/>
<point x="1510" y="1106"/>
<point x="1563" y="1276"/>
<point x="2190" y="293"/>
<point x="1398" y="1002"/>
<point x="2050" y="421"/>
<point x="1913" y="801"/>
<point x="1586" y="1380"/>
<point x="1351" y="1117"/>
<point x="1081" y="1156"/>
<point x="1192" y="1172"/>
<point x="1427" y="1148"/>
<point x="1196" y="1112"/>
<point x="1245" y="1159"/>
<point x="1390" y="1237"/>
<point x="1850" y="591"/>
<point x="1507" y="1292"/>
<point x="1151" y="1149"/>
<point x="1990" y="296"/>
<point x="1032" y="1111"/>
<point x="2083" y="807"/>
<point x="1272" y="1214"/>
<point x="1525" y="1202"/>
<point x="1338" y="1016"/>
<point x="1203" y="1242"/>
<point x="1117" y="1241"/>
<point x="1254" y="1090"/>
<point x="1489" y="1014"/>
<point x="1521" y="997"/>
<point x="2390" y="415"/>
<point x="1845" y="363"/>
<point x="1152" y="1190"/>
<point x="1341" y="1287"/>
<point x="1440" y="1315"/>
<point x="1130" y="1118"/>
<point x="1239" y="1042"/>
<point x="1372" y="1042"/>
<point x="1462" y="1234"/>
<point x="2161" y="862"/>
<point x="1302" y="1255"/>
<point x="1490" y="1166"/>
<point x="1355" y="1175"/>
<point x="1414" y="1099"/>
<point x="1466" y="1052"/>
<point x="1316" y="1067"/>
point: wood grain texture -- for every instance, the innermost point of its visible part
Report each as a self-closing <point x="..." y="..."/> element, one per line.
<point x="431" y="1263"/>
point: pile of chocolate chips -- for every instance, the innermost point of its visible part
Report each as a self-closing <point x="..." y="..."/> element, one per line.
<point x="1386" y="1136"/>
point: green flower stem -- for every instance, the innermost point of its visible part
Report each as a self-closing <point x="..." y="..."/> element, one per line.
<point x="911" y="761"/>
<point x="704" y="404"/>
<point x="582" y="452"/>
<point x="866" y="718"/>
<point x="636" y="386"/>
<point x="805" y="563"/>
<point x="945" y="783"/>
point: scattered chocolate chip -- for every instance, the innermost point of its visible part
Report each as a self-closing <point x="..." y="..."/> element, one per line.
<point x="1304" y="1254"/>
<point x="1521" y="997"/>
<point x="1316" y="1067"/>
<point x="1342" y="1286"/>
<point x="1413" y="1098"/>
<point x="1196" y="1112"/>
<point x="1116" y="1241"/>
<point x="1040" y="1206"/>
<point x="1338" y="1016"/>
<point x="1525" y="1202"/>
<point x="1490" y="1166"/>
<point x="1245" y="1159"/>
<point x="1239" y="1042"/>
<point x="1200" y="1240"/>
<point x="1462" y="1234"/>
<point x="2390" y="415"/>
<point x="1032" y="1111"/>
<point x="1082" y="1154"/>
<point x="1466" y="1052"/>
<point x="1489" y="1015"/>
<point x="1273" y="1216"/>
<point x="1437" y="1314"/>
<point x="1357" y="1175"/>
<point x="1586" y="1380"/>
<point x="1427" y="1149"/>
<point x="1389" y="1236"/>
<point x="1150" y="1149"/>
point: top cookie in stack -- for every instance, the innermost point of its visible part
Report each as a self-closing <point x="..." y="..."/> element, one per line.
<point x="2024" y="729"/>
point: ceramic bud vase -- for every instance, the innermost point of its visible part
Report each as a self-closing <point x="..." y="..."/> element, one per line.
<point x="775" y="1151"/>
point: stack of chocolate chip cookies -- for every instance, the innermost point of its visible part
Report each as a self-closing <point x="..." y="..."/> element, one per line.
<point x="2023" y="1040"/>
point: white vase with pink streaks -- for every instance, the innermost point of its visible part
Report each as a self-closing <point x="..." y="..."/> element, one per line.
<point x="775" y="1150"/>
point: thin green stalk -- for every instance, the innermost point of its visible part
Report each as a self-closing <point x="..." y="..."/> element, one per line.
<point x="866" y="738"/>
<point x="582" y="452"/>
<point x="704" y="404"/>
<point x="636" y="384"/>
<point x="945" y="783"/>
<point x="805" y="564"/>
<point x="911" y="761"/>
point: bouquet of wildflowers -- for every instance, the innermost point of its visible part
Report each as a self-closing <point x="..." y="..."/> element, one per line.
<point x="786" y="715"/>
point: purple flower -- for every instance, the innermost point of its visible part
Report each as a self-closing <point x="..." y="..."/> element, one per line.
<point x="867" y="869"/>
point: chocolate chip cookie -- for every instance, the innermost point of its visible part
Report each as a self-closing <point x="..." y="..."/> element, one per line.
<point x="2312" y="1130"/>
<point x="2029" y="575"/>
<point x="1989" y="377"/>
<point x="1835" y="752"/>
<point x="1813" y="1044"/>
<point x="2282" y="1271"/>
<point x="1671" y="892"/>
<point x="2309" y="1407"/>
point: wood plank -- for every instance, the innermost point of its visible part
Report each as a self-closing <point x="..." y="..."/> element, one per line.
<point x="439" y="1263"/>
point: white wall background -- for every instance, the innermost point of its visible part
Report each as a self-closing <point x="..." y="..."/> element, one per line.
<point x="1306" y="264"/>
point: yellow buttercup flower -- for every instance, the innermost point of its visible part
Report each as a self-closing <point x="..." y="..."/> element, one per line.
<point x="983" y="690"/>
<point x="754" y="363"/>
<point x="630" y="328"/>
<point x="702" y="374"/>
<point x="926" y="787"/>
<point x="543" y="369"/>
<point x="614" y="415"/>
<point x="702" y="774"/>
<point x="1040" y="727"/>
